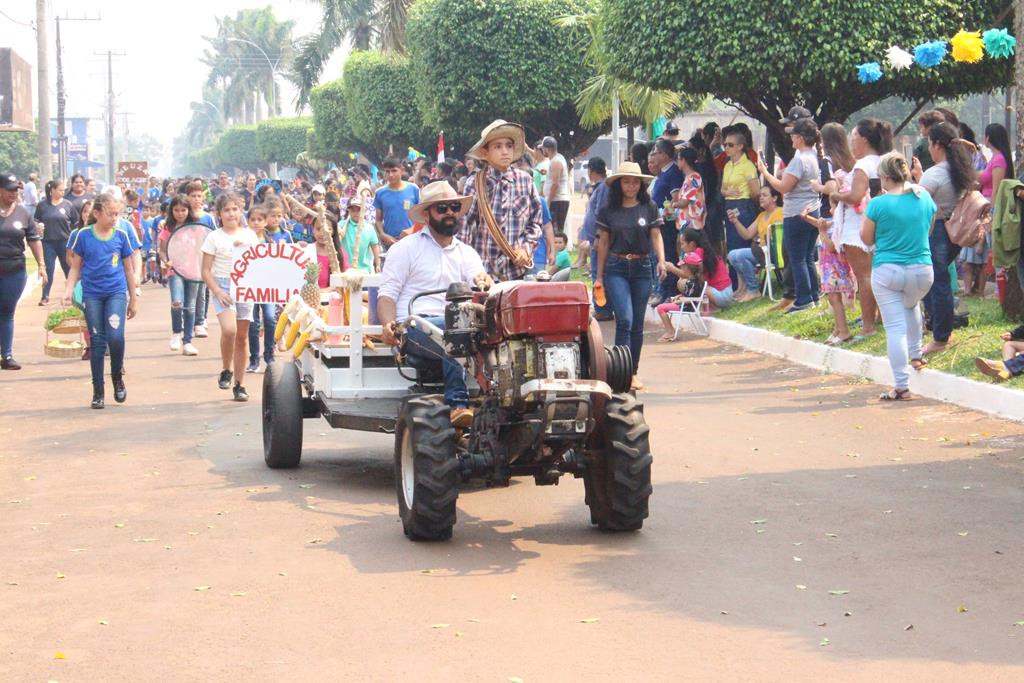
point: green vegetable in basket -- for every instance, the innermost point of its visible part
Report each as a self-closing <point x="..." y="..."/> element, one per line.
<point x="56" y="318"/>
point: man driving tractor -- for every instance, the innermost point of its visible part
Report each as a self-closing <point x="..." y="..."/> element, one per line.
<point x="430" y="260"/>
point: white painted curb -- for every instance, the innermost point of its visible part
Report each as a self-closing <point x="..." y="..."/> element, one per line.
<point x="986" y="398"/>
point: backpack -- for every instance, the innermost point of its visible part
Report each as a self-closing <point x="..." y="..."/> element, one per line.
<point x="971" y="220"/>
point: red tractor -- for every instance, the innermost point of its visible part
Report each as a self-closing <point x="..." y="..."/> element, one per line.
<point x="549" y="399"/>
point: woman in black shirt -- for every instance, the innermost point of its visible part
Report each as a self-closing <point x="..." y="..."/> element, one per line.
<point x="59" y="218"/>
<point x="78" y="196"/>
<point x="16" y="227"/>
<point x="628" y="230"/>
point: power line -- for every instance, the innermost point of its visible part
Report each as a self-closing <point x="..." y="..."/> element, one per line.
<point x="15" y="21"/>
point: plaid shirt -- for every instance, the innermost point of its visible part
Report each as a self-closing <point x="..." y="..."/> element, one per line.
<point x="517" y="211"/>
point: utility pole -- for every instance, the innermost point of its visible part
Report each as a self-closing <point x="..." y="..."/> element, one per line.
<point x="111" y="165"/>
<point x="62" y="136"/>
<point x="42" y="57"/>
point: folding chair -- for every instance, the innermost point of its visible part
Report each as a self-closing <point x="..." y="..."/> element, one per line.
<point x="774" y="261"/>
<point x="689" y="312"/>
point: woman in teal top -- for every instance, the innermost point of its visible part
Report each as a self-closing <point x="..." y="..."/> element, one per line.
<point x="897" y="224"/>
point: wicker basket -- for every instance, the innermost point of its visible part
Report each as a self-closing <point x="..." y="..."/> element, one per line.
<point x="71" y="326"/>
<point x="64" y="352"/>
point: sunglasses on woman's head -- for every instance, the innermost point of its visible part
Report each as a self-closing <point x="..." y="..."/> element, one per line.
<point x="443" y="208"/>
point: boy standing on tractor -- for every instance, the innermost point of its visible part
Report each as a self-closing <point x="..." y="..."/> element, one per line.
<point x="503" y="223"/>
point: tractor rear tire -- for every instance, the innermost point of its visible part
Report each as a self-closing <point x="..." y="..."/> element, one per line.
<point x="618" y="475"/>
<point x="282" y="416"/>
<point x="426" y="469"/>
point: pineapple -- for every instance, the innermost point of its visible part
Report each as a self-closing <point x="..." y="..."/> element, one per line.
<point x="311" y="289"/>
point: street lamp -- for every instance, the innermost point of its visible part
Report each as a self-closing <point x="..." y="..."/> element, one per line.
<point x="273" y="70"/>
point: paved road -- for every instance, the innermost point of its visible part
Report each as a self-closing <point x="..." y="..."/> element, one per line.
<point x="777" y="490"/>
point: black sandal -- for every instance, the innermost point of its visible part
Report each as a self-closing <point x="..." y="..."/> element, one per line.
<point x="897" y="395"/>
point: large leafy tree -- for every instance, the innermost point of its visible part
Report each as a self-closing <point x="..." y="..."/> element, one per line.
<point x="799" y="53"/>
<point x="363" y="24"/>
<point x="332" y="137"/>
<point x="478" y="61"/>
<point x="18" y="153"/>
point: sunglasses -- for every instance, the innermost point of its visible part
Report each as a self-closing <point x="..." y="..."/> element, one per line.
<point x="730" y="145"/>
<point x="443" y="208"/>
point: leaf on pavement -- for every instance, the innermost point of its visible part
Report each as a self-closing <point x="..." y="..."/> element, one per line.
<point x="306" y="486"/>
<point x="832" y="535"/>
<point x="961" y="609"/>
<point x="797" y="559"/>
<point x="961" y="533"/>
<point x="589" y="620"/>
<point x="202" y="588"/>
<point x="802" y="587"/>
<point x="237" y="595"/>
<point x="758" y="521"/>
<point x="103" y="623"/>
<point x="58" y="655"/>
<point x="315" y="541"/>
<point x="824" y="642"/>
<point x="146" y="540"/>
<point x="908" y="627"/>
<point x="119" y="525"/>
<point x="838" y="592"/>
<point x="60" y="575"/>
<point x="440" y="625"/>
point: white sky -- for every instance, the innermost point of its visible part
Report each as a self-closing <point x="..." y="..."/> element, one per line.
<point x="161" y="72"/>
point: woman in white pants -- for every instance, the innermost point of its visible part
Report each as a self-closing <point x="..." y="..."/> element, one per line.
<point x="898" y="223"/>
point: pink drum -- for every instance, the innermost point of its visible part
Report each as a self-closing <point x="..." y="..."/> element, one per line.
<point x="184" y="248"/>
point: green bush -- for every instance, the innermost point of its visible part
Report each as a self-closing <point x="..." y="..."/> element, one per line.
<point x="281" y="140"/>
<point x="18" y="154"/>
<point x="476" y="61"/>
<point x="238" y="146"/>
<point x="332" y="137"/>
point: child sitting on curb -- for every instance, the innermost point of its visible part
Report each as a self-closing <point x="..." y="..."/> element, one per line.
<point x="1012" y="364"/>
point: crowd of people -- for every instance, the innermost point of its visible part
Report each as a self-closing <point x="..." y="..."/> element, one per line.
<point x="846" y="218"/>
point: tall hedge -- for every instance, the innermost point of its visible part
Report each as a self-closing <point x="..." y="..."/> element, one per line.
<point x="380" y="101"/>
<point x="476" y="61"/>
<point x="332" y="138"/>
<point x="238" y="146"/>
<point x="281" y="140"/>
<point x="801" y="52"/>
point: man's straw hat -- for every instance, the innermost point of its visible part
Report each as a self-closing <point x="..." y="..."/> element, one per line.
<point x="437" y="191"/>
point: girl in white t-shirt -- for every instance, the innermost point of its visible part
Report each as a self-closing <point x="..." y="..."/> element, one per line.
<point x="869" y="139"/>
<point x="218" y="255"/>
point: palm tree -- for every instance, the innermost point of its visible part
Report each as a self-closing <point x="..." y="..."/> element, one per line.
<point x="244" y="58"/>
<point x="640" y="104"/>
<point x="364" y="24"/>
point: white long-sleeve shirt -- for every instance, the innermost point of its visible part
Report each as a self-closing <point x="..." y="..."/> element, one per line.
<point x="419" y="264"/>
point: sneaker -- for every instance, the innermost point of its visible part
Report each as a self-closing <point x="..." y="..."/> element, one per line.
<point x="97" y="398"/>
<point x="200" y="332"/>
<point x="45" y="301"/>
<point x="176" y="341"/>
<point x="462" y="417"/>
<point x="9" y="364"/>
<point x="189" y="350"/>
<point x="224" y="382"/>
<point x="240" y="394"/>
<point x="253" y="367"/>
<point x="120" y="392"/>
<point x="797" y="309"/>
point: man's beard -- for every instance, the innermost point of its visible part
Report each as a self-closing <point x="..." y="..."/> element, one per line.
<point x="443" y="226"/>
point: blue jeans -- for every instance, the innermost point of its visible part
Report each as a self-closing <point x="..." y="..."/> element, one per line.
<point x="898" y="289"/>
<point x="269" y="315"/>
<point x="183" y="306"/>
<point x="426" y="350"/>
<point x="105" y="315"/>
<point x="606" y="310"/>
<point x="799" y="239"/>
<point x="202" y="303"/>
<point x="938" y="302"/>
<point x="742" y="261"/>
<point x="733" y="240"/>
<point x="628" y="286"/>
<point x="53" y="251"/>
<point x="11" y="287"/>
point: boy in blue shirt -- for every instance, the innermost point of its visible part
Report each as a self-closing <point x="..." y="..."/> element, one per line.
<point x="393" y="202"/>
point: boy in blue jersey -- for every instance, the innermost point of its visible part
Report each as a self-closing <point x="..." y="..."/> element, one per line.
<point x="393" y="202"/>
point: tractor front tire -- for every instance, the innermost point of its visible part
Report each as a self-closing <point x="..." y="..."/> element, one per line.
<point x="426" y="469"/>
<point x="618" y="475"/>
<point x="282" y="416"/>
